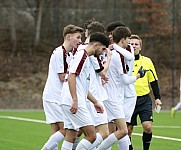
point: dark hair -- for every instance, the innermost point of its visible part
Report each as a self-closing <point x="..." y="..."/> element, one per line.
<point x="111" y="26"/>
<point x="121" y="32"/>
<point x="70" y="29"/>
<point x="88" y="22"/>
<point x="95" y="27"/>
<point x="99" y="37"/>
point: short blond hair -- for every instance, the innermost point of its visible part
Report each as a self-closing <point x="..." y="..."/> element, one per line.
<point x="70" y="29"/>
<point x="134" y="36"/>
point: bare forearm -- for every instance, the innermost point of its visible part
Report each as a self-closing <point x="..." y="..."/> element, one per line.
<point x="91" y="98"/>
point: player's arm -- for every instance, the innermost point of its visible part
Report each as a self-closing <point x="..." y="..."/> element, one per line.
<point x="156" y="92"/>
<point x="129" y="79"/>
<point x="127" y="55"/>
<point x="97" y="106"/>
<point x="72" y="88"/>
<point x="62" y="76"/>
<point x="106" y="65"/>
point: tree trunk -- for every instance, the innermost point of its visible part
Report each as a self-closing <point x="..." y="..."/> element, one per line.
<point x="13" y="28"/>
<point x="38" y="24"/>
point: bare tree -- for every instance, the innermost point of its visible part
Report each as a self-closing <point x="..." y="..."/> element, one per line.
<point x="13" y="27"/>
<point x="38" y="23"/>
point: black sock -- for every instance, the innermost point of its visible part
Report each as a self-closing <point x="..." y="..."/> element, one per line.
<point x="146" y="140"/>
<point x="130" y="146"/>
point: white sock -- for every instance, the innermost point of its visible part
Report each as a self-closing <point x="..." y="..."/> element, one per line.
<point x="98" y="140"/>
<point x="83" y="145"/>
<point x="123" y="143"/>
<point x="53" y="141"/>
<point x="109" y="148"/>
<point x="108" y="142"/>
<point x="177" y="107"/>
<point x="56" y="148"/>
<point x="76" y="142"/>
<point x="66" y="145"/>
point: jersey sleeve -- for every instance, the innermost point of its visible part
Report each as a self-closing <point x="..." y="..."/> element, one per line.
<point x="96" y="63"/>
<point x="60" y="61"/>
<point x="77" y="63"/>
<point x="152" y="76"/>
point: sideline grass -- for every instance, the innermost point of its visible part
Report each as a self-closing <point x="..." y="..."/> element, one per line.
<point x="23" y="135"/>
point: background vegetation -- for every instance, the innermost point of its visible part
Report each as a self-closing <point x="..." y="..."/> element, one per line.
<point x="31" y="29"/>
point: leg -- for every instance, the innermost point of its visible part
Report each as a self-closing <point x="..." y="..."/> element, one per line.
<point x="77" y="139"/>
<point x="55" y="138"/>
<point x="69" y="139"/>
<point x="102" y="133"/>
<point x="130" y="131"/>
<point x="147" y="134"/>
<point x="112" y="138"/>
<point x="90" y="137"/>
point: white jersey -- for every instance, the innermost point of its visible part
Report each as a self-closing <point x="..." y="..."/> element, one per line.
<point x="115" y="87"/>
<point x="96" y="88"/>
<point x="58" y="64"/>
<point x="80" y="65"/>
<point x="130" y="89"/>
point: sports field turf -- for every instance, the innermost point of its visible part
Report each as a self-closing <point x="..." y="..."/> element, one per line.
<point x="19" y="133"/>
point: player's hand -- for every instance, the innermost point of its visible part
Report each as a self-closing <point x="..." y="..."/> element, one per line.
<point x="111" y="47"/>
<point x="98" y="107"/>
<point x="142" y="72"/>
<point x="158" y="102"/>
<point x="104" y="80"/>
<point x="74" y="107"/>
<point x="109" y="53"/>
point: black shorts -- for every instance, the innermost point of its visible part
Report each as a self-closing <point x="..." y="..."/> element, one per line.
<point x="143" y="108"/>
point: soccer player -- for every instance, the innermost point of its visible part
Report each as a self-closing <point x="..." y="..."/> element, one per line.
<point x="58" y="66"/>
<point x="115" y="89"/>
<point x="73" y="102"/>
<point x="143" y="106"/>
<point x="130" y="93"/>
<point x="178" y="106"/>
<point x="97" y="69"/>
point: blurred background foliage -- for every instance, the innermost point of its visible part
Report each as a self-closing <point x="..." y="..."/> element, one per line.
<point x="31" y="29"/>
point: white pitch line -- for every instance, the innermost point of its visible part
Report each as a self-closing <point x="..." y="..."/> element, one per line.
<point x="174" y="127"/>
<point x="41" y="121"/>
<point x="23" y="119"/>
<point x="160" y="137"/>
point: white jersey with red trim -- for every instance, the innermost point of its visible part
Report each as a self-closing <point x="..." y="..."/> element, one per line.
<point x="115" y="86"/>
<point x="96" y="88"/>
<point x="57" y="64"/>
<point x="80" y="65"/>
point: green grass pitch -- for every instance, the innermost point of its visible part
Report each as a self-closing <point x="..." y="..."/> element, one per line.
<point x="28" y="135"/>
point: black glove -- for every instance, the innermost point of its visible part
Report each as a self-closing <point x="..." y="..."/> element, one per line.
<point x="142" y="72"/>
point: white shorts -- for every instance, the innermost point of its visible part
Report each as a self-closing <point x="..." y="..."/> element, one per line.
<point x="53" y="112"/>
<point x="114" y="110"/>
<point x="129" y="105"/>
<point x="98" y="118"/>
<point x="75" y="121"/>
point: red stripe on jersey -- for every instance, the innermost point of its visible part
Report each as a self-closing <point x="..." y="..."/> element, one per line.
<point x="64" y="59"/>
<point x="128" y="48"/>
<point x="81" y="63"/>
<point x="100" y="63"/>
<point x="74" y="51"/>
<point x="123" y="63"/>
<point x="101" y="67"/>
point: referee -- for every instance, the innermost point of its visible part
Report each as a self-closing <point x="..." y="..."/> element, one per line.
<point x="143" y="106"/>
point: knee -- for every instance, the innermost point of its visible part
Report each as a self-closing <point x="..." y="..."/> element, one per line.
<point x="148" y="129"/>
<point x="130" y="130"/>
<point x="105" y="134"/>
